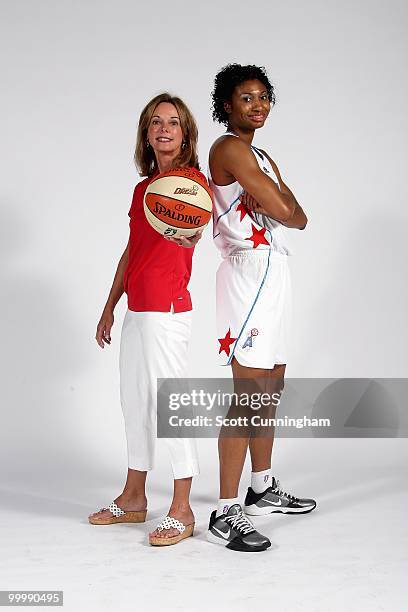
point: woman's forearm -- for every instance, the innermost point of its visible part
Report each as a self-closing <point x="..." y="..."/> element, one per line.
<point x="117" y="288"/>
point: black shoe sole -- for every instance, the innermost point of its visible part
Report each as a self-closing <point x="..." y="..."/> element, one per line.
<point x="291" y="512"/>
<point x="241" y="548"/>
<point x="236" y="544"/>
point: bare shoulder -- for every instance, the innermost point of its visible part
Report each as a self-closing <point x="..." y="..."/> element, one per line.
<point x="227" y="145"/>
<point x="229" y="155"/>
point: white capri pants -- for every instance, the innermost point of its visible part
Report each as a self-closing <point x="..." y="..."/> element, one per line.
<point x="153" y="345"/>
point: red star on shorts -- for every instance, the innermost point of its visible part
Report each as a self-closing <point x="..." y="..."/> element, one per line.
<point x="258" y="236"/>
<point x="243" y="211"/>
<point x="226" y="342"/>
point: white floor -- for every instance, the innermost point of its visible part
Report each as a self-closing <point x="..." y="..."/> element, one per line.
<point x="349" y="554"/>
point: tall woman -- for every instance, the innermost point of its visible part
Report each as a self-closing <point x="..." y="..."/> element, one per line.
<point x="154" y="272"/>
<point x="252" y="207"/>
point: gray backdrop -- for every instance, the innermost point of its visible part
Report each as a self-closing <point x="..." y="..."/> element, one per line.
<point x="75" y="76"/>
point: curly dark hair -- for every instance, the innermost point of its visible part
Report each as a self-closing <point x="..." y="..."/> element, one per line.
<point x="228" y="78"/>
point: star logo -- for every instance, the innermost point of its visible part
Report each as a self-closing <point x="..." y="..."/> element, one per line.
<point x="243" y="210"/>
<point x="258" y="236"/>
<point x="226" y="342"/>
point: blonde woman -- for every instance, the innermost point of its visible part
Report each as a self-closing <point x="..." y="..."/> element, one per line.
<point x="154" y="272"/>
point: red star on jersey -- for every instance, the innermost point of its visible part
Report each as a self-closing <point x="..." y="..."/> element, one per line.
<point x="258" y="236"/>
<point x="243" y="211"/>
<point x="226" y="342"/>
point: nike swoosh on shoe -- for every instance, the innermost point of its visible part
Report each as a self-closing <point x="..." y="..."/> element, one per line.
<point x="278" y="503"/>
<point x="224" y="534"/>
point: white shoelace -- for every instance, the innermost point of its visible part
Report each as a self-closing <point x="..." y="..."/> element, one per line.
<point x="279" y="491"/>
<point x="241" y="522"/>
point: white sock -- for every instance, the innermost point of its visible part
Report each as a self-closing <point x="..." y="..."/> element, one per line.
<point x="224" y="505"/>
<point x="261" y="480"/>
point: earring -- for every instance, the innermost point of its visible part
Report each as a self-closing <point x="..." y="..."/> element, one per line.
<point x="183" y="145"/>
<point x="147" y="144"/>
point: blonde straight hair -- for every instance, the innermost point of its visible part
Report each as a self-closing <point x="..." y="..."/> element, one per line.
<point x="145" y="158"/>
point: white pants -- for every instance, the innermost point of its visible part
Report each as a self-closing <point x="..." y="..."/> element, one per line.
<point x="153" y="345"/>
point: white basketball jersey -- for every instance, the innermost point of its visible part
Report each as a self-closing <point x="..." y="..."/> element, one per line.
<point x="236" y="228"/>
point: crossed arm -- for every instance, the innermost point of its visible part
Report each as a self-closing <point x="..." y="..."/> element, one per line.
<point x="262" y="194"/>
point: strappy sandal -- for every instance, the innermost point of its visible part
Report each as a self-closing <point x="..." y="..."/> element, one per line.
<point x="167" y="523"/>
<point x="119" y="516"/>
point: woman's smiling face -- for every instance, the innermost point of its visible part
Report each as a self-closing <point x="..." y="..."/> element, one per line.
<point x="249" y="106"/>
<point x="164" y="132"/>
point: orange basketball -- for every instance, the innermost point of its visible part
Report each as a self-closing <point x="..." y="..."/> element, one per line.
<point x="178" y="202"/>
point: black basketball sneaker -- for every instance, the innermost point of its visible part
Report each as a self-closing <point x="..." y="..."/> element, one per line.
<point x="235" y="531"/>
<point x="273" y="499"/>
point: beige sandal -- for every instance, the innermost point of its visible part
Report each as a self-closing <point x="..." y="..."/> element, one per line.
<point x="119" y="516"/>
<point x="167" y="523"/>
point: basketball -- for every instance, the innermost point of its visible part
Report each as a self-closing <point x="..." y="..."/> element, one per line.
<point x="178" y="203"/>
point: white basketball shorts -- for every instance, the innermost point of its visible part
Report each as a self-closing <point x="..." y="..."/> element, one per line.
<point x="254" y="308"/>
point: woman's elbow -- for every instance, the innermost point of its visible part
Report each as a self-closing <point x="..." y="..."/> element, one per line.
<point x="304" y="223"/>
<point x="286" y="213"/>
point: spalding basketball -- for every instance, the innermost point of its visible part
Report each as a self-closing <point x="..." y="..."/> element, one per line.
<point x="178" y="203"/>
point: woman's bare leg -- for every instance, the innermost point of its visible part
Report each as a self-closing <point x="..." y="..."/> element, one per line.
<point x="133" y="496"/>
<point x="232" y="450"/>
<point x="180" y="507"/>
<point x="260" y="447"/>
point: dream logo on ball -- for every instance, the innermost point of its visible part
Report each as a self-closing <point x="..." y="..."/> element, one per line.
<point x="178" y="200"/>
